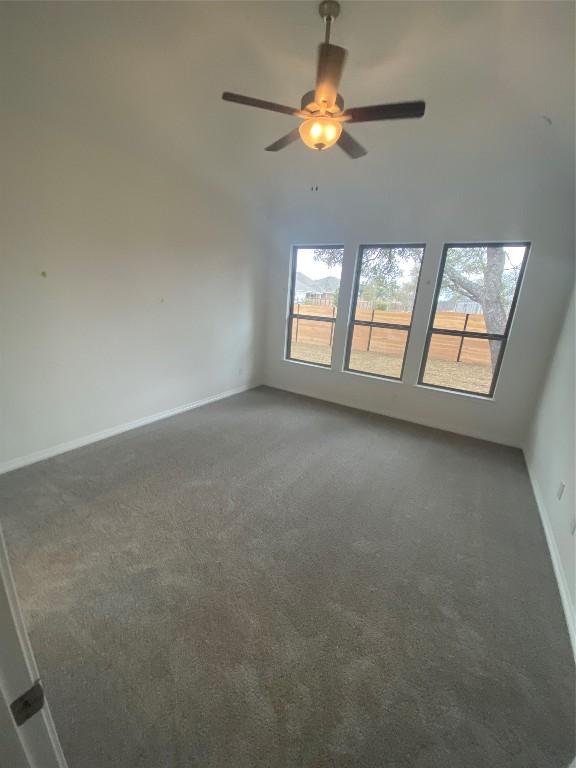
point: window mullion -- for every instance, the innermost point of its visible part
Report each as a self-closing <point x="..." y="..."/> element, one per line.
<point x="345" y="299"/>
<point x="467" y="334"/>
<point x="315" y="318"/>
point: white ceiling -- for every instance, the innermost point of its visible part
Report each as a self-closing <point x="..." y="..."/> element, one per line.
<point x="489" y="73"/>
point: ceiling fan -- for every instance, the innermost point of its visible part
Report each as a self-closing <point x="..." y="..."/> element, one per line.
<point x="322" y="110"/>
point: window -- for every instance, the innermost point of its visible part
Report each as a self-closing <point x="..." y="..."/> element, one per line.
<point x="384" y="293"/>
<point x="314" y="288"/>
<point x="473" y="308"/>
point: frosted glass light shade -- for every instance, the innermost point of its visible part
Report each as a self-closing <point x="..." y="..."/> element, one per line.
<point x="320" y="132"/>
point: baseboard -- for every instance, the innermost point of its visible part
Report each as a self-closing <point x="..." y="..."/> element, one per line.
<point x="79" y="442"/>
<point x="559" y="572"/>
<point x="389" y="414"/>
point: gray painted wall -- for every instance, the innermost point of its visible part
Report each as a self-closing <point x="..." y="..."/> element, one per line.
<point x="155" y="214"/>
<point x="130" y="270"/>
<point x="551" y="459"/>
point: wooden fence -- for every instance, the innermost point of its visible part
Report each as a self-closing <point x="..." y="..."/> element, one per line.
<point x="392" y="342"/>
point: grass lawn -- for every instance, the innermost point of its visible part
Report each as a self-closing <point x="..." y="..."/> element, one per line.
<point x="441" y="373"/>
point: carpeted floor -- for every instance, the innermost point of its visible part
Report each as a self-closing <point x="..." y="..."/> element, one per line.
<point x="275" y="582"/>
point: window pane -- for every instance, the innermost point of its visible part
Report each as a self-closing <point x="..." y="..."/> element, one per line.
<point x="378" y="350"/>
<point x="317" y="281"/>
<point x="478" y="285"/>
<point x="387" y="283"/>
<point x="458" y="362"/>
<point x="311" y="341"/>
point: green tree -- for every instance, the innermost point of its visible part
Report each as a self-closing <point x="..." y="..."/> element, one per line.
<point x="483" y="274"/>
<point x="380" y="278"/>
<point x="487" y="276"/>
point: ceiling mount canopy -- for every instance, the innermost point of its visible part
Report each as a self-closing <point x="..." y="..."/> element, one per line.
<point x="322" y="110"/>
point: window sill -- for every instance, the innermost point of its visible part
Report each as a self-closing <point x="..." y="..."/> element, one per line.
<point x="448" y="391"/>
<point x="373" y="376"/>
<point x="306" y="364"/>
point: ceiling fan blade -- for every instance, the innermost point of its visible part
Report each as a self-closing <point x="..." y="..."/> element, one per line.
<point x="351" y="146"/>
<point x="398" y="111"/>
<point x="294" y="135"/>
<point x="331" y="60"/>
<point x="250" y="102"/>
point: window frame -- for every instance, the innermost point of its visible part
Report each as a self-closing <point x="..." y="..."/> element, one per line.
<point x="373" y="323"/>
<point x="291" y="315"/>
<point x="463" y="334"/>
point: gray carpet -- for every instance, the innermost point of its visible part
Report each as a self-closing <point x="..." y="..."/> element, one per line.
<point x="272" y="581"/>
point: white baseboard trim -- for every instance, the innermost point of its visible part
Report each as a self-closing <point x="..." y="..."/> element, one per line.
<point x="559" y="572"/>
<point x="388" y="413"/>
<point x="79" y="442"/>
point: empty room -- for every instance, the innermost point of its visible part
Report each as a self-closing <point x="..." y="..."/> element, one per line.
<point x="287" y="389"/>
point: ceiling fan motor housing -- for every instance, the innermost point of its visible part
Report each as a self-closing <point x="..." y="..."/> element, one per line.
<point x="309" y="104"/>
<point x="329" y="9"/>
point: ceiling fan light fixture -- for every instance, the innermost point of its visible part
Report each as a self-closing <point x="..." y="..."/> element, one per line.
<point x="322" y="109"/>
<point x="320" y="132"/>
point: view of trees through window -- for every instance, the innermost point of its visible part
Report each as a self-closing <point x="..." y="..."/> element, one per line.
<point x="385" y="291"/>
<point x="470" y="320"/>
<point x="475" y="298"/>
<point x="314" y="304"/>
